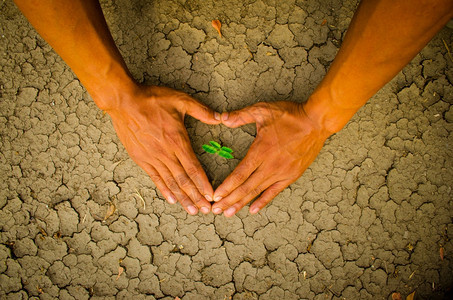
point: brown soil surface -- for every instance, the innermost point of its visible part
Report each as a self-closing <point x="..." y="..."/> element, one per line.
<point x="367" y="219"/>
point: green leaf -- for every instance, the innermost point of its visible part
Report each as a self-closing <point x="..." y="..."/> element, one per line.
<point x="225" y="154"/>
<point x="226" y="149"/>
<point x="209" y="149"/>
<point x="215" y="144"/>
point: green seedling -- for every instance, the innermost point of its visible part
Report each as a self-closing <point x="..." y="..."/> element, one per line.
<point x="216" y="148"/>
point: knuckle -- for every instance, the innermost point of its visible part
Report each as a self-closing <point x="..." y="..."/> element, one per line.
<point x="261" y="105"/>
<point x="182" y="180"/>
<point x="238" y="178"/>
<point x="181" y="197"/>
<point x="225" y="205"/>
<point x="256" y="191"/>
<point x="155" y="178"/>
<point x="244" y="190"/>
<point x="205" y="110"/>
<point x="193" y="171"/>
<point x="198" y="200"/>
<point x="193" y="194"/>
<point x="171" y="183"/>
<point x="185" y="201"/>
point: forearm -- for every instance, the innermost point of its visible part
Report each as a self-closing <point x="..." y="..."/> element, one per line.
<point x="383" y="37"/>
<point x="77" y="31"/>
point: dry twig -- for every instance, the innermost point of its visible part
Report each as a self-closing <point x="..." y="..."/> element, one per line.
<point x="448" y="50"/>
<point x="141" y="198"/>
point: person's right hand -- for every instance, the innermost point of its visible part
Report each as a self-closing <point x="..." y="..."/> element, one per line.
<point x="150" y="124"/>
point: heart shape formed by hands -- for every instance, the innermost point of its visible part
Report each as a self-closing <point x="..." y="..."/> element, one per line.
<point x="150" y="124"/>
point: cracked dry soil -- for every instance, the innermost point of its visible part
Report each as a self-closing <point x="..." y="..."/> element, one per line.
<point x="368" y="218"/>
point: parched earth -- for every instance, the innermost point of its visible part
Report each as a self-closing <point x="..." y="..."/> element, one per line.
<point x="370" y="217"/>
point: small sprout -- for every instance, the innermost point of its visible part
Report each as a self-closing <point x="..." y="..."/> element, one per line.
<point x="229" y="150"/>
<point x="209" y="149"/>
<point x="216" y="148"/>
<point x="215" y="144"/>
<point x="225" y="154"/>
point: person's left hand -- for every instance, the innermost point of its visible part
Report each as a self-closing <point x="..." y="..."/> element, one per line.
<point x="287" y="142"/>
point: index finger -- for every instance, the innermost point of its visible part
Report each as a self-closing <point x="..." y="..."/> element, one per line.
<point x="239" y="175"/>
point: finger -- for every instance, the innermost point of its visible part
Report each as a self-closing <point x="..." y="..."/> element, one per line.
<point x="245" y="193"/>
<point x="232" y="210"/>
<point x="201" y="112"/>
<point x="243" y="116"/>
<point x="158" y="181"/>
<point x="240" y="174"/>
<point x="196" y="173"/>
<point x="188" y="186"/>
<point x="269" y="194"/>
<point x="173" y="186"/>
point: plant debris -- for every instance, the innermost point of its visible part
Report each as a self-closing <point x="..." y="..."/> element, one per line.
<point x="216" y="24"/>
<point x="411" y="296"/>
<point x="43" y="232"/>
<point x="410" y="247"/>
<point x="448" y="50"/>
<point x="396" y="296"/>
<point x="110" y="211"/>
<point x="141" y="198"/>
<point x="120" y="271"/>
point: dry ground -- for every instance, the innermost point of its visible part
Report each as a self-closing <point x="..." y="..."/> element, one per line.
<point x="368" y="218"/>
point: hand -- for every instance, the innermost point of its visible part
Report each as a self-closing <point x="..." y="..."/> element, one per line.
<point x="150" y="124"/>
<point x="287" y="142"/>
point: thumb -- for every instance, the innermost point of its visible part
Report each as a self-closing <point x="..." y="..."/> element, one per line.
<point x="201" y="112"/>
<point x="243" y="116"/>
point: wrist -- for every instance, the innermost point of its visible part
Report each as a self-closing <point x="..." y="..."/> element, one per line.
<point x="323" y="109"/>
<point x="109" y="91"/>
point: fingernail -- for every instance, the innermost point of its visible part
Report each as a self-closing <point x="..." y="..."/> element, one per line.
<point x="217" y="210"/>
<point x="205" y="210"/>
<point x="225" y="116"/>
<point x="230" y="211"/>
<point x="217" y="116"/>
<point x="208" y="197"/>
<point x="254" y="210"/>
<point x="171" y="200"/>
<point x="217" y="198"/>
<point x="192" y="210"/>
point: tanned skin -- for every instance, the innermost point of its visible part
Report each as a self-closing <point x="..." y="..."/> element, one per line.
<point x="149" y="120"/>
<point x="383" y="37"/>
